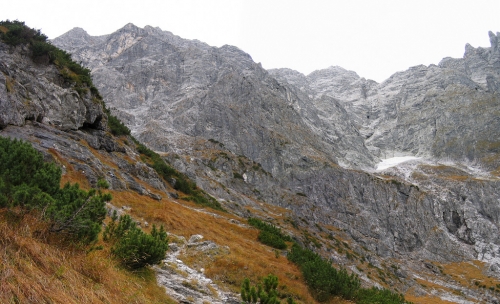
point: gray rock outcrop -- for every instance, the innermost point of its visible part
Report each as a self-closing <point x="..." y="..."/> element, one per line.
<point x="37" y="105"/>
<point x="37" y="92"/>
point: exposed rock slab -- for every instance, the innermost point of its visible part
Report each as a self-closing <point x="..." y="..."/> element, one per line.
<point x="37" y="92"/>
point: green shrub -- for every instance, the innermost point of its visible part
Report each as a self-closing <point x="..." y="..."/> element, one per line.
<point x="268" y="227"/>
<point x="264" y="294"/>
<point x="78" y="212"/>
<point x="182" y="182"/>
<point x="237" y="175"/>
<point x="269" y="234"/>
<point x="18" y="33"/>
<point x="272" y="240"/>
<point x="22" y="168"/>
<point x="133" y="247"/>
<point x="42" y="51"/>
<point x="375" y="295"/>
<point x="117" y="127"/>
<point x="325" y="281"/>
<point x="29" y="182"/>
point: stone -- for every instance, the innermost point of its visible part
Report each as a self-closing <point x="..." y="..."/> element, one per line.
<point x="195" y="238"/>
<point x="173" y="195"/>
<point x="155" y="196"/>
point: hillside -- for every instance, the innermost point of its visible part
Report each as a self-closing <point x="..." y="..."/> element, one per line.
<point x="44" y="266"/>
<point x="236" y="143"/>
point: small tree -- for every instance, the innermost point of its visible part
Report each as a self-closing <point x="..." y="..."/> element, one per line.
<point x="24" y="173"/>
<point x="132" y="246"/>
<point x="248" y="293"/>
<point x="78" y="212"/>
<point x="29" y="182"/>
<point x="267" y="294"/>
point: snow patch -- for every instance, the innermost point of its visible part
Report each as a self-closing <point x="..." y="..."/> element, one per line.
<point x="394" y="161"/>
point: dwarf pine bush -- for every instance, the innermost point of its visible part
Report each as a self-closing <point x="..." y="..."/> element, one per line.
<point x="269" y="234"/>
<point x="133" y="247"/>
<point x="28" y="182"/>
<point x="326" y="282"/>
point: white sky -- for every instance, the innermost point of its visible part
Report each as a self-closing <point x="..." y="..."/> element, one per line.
<point x="373" y="38"/>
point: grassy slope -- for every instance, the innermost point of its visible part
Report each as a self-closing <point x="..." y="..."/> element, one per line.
<point x="37" y="267"/>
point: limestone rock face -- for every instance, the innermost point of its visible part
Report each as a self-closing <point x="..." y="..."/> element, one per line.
<point x="37" y="92"/>
<point x="346" y="88"/>
<point x="449" y="110"/>
<point x="162" y="85"/>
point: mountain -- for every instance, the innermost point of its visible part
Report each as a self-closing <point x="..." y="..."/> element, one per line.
<point x="45" y="103"/>
<point x="444" y="111"/>
<point x="310" y="144"/>
<point x="185" y="88"/>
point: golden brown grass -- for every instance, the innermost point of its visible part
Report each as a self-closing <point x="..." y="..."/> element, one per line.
<point x="246" y="257"/>
<point x="468" y="273"/>
<point x="102" y="155"/>
<point x="428" y="298"/>
<point x="70" y="175"/>
<point x="445" y="172"/>
<point x="39" y="267"/>
<point x="9" y="84"/>
<point x="425" y="299"/>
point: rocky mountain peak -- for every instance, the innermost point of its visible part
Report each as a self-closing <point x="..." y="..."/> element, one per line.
<point x="494" y="40"/>
<point x="76" y="32"/>
<point x="334" y="71"/>
<point x="129" y="27"/>
<point x="152" y="30"/>
<point x="76" y="35"/>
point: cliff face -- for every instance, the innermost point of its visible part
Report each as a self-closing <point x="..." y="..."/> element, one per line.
<point x="38" y="105"/>
<point x="310" y="143"/>
<point x="38" y="92"/>
<point x="162" y="84"/>
<point x="449" y="110"/>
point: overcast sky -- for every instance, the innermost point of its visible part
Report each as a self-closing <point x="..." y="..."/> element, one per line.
<point x="373" y="38"/>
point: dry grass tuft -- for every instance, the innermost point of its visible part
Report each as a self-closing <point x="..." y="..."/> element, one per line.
<point x="37" y="267"/>
<point x="9" y="84"/>
<point x="70" y="175"/>
<point x="425" y="299"/>
<point x="468" y="273"/>
<point x="444" y="172"/>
